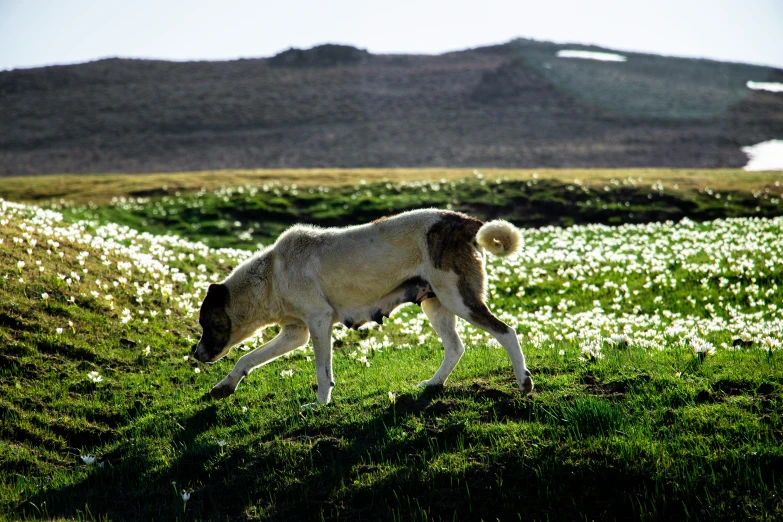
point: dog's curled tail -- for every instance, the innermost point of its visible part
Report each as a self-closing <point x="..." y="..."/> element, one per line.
<point x="499" y="237"/>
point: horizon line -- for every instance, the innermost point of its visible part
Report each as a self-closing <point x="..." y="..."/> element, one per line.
<point x="256" y="57"/>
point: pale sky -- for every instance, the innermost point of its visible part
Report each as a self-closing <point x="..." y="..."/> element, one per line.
<point x="44" y="32"/>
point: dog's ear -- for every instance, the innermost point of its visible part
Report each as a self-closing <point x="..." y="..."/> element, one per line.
<point x="218" y="293"/>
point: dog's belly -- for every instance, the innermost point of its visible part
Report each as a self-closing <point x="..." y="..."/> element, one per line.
<point x="360" y="272"/>
<point x="413" y="290"/>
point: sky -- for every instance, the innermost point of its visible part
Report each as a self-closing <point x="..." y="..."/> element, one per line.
<point x="35" y="33"/>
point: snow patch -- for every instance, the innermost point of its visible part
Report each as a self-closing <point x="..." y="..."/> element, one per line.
<point x="765" y="86"/>
<point x="767" y="155"/>
<point x="591" y="55"/>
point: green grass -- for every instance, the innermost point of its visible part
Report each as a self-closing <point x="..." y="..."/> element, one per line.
<point x="248" y="215"/>
<point x="638" y="427"/>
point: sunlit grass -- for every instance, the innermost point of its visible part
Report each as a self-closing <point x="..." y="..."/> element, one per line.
<point x="628" y="420"/>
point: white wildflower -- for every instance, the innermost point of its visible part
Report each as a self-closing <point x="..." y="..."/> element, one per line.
<point x="591" y="351"/>
<point x="701" y="347"/>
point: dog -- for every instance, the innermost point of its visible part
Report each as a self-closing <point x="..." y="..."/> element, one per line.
<point x="312" y="278"/>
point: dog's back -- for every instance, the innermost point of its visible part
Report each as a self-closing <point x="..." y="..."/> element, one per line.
<point x="358" y="265"/>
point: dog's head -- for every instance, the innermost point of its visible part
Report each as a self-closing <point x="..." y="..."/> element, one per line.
<point x="235" y="309"/>
<point x="216" y="324"/>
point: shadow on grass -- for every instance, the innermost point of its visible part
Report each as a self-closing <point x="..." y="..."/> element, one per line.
<point x="413" y="460"/>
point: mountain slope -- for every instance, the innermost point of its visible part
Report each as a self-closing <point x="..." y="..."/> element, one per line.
<point x="511" y="105"/>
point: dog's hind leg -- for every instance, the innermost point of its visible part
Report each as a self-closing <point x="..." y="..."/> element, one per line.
<point x="444" y="324"/>
<point x="465" y="299"/>
<point x="291" y="336"/>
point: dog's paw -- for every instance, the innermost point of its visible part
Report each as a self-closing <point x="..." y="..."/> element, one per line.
<point x="221" y="391"/>
<point x="313" y="405"/>
<point x="428" y="383"/>
<point x="527" y="385"/>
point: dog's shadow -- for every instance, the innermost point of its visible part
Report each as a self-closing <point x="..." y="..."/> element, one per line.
<point x="322" y="449"/>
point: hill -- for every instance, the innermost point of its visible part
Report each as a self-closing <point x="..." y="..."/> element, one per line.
<point x="512" y="105"/>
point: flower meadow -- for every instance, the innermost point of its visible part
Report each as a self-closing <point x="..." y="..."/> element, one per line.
<point x="654" y="286"/>
<point x="655" y="350"/>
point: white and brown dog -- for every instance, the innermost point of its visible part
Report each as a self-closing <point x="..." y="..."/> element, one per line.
<point x="312" y="278"/>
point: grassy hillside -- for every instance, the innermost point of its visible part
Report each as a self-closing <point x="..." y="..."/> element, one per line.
<point x="655" y="349"/>
<point x="512" y="105"/>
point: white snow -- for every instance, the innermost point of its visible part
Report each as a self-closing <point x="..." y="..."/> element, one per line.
<point x="591" y="55"/>
<point x="765" y="86"/>
<point x="767" y="155"/>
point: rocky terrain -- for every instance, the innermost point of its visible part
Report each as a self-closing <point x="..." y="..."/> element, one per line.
<point x="511" y="105"/>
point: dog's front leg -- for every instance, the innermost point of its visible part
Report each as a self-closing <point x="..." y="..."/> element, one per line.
<point x="291" y="336"/>
<point x="321" y="333"/>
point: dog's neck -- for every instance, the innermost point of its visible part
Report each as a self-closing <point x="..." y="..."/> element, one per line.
<point x="253" y="299"/>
